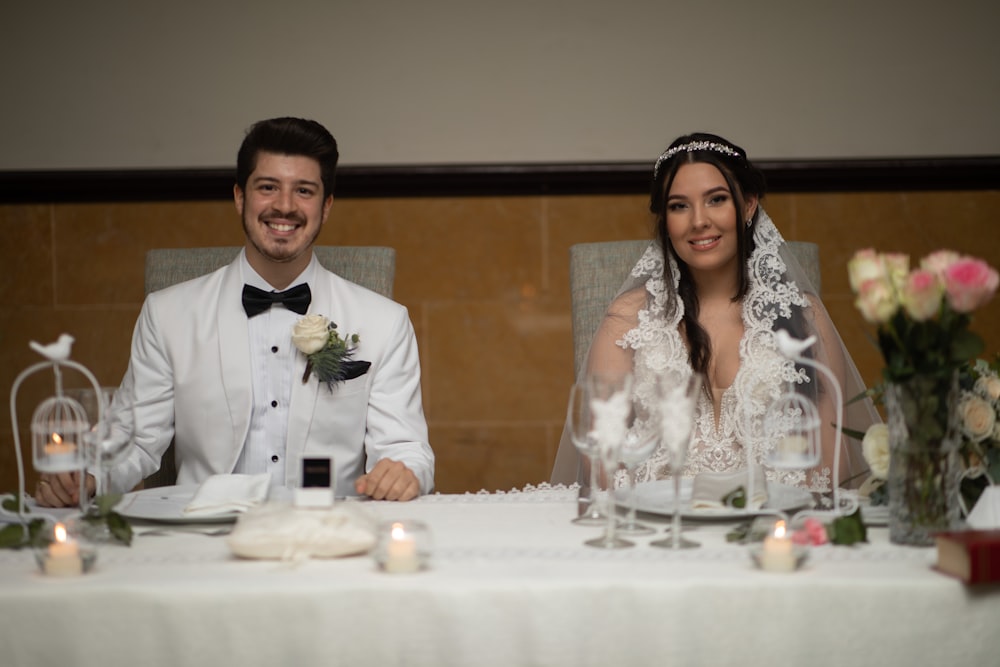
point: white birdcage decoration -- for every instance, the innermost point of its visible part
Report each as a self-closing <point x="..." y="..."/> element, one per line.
<point x="58" y="425"/>
<point x="799" y="445"/>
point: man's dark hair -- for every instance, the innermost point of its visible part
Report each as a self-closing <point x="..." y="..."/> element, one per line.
<point x="289" y="136"/>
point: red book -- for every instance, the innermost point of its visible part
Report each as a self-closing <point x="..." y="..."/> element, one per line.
<point x="971" y="555"/>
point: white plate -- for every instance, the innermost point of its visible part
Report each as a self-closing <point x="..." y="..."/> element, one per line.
<point x="657" y="497"/>
<point x="166" y="504"/>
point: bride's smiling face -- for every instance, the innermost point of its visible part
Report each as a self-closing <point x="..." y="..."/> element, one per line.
<point x="702" y="220"/>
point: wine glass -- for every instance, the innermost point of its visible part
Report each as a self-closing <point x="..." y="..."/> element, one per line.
<point x="677" y="397"/>
<point x="579" y="424"/>
<point x="609" y="399"/>
<point x="111" y="416"/>
<point x="641" y="440"/>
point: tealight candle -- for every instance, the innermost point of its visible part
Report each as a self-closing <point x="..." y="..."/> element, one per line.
<point x="777" y="554"/>
<point x="63" y="558"/>
<point x="401" y="551"/>
<point x="59" y="451"/>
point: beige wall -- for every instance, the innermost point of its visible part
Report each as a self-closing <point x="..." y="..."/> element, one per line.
<point x="124" y="84"/>
<point x="485" y="279"/>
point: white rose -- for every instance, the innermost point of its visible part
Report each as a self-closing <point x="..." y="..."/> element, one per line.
<point x="311" y="333"/>
<point x="875" y="447"/>
<point x="978" y="417"/>
<point x="988" y="386"/>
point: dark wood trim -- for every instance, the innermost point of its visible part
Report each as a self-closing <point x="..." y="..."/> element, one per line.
<point x="468" y="180"/>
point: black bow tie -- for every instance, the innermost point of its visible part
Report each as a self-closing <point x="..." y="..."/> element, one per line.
<point x="296" y="299"/>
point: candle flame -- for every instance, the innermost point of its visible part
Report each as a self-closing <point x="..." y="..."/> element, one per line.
<point x="56" y="438"/>
<point x="60" y="532"/>
<point x="779" y="529"/>
<point x="398" y="532"/>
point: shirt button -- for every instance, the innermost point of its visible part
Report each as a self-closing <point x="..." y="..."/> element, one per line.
<point x="274" y="348"/>
<point x="274" y="404"/>
<point x="274" y="459"/>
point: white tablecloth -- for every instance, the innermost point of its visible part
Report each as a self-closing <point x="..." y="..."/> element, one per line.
<point x="510" y="584"/>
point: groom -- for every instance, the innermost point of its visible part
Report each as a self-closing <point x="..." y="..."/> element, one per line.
<point x="213" y="365"/>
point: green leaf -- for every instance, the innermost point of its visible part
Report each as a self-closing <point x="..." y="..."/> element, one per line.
<point x="10" y="504"/>
<point x="736" y="498"/>
<point x="848" y="530"/>
<point x="120" y="528"/>
<point x="12" y="535"/>
<point x="106" y="503"/>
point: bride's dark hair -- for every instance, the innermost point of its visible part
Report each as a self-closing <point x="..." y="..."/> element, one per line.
<point x="743" y="180"/>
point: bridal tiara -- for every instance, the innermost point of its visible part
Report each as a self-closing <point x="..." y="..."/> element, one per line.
<point x="695" y="146"/>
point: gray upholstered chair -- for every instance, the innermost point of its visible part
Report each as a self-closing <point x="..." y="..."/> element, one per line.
<point x="598" y="270"/>
<point x="373" y="267"/>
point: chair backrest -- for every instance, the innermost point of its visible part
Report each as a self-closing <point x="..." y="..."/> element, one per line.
<point x="598" y="270"/>
<point x="373" y="267"/>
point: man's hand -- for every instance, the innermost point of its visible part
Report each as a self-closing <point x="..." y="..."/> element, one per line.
<point x="388" y="480"/>
<point x="61" y="489"/>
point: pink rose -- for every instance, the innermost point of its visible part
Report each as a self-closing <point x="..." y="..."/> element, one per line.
<point x="865" y="265"/>
<point x="921" y="294"/>
<point x="812" y="532"/>
<point x="938" y="261"/>
<point x="970" y="283"/>
<point x="877" y="300"/>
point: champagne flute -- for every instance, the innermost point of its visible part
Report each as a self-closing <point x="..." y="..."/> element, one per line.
<point x="610" y="401"/>
<point x="677" y="397"/>
<point x="579" y="422"/>
<point x="112" y="424"/>
<point x="641" y="440"/>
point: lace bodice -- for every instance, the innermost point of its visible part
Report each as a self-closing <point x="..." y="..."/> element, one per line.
<point x="763" y="373"/>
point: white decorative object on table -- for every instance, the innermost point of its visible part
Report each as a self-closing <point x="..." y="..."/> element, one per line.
<point x="280" y="531"/>
<point x="795" y="423"/>
<point x="58" y="424"/>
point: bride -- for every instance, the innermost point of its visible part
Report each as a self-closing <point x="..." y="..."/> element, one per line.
<point x="708" y="296"/>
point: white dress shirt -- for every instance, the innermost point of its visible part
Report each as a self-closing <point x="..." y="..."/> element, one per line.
<point x="272" y="357"/>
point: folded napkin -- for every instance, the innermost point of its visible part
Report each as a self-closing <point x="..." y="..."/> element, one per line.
<point x="985" y="514"/>
<point x="225" y="494"/>
<point x="710" y="488"/>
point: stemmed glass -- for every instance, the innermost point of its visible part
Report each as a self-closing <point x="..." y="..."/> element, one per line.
<point x="640" y="442"/>
<point x="111" y="430"/>
<point x="599" y="413"/>
<point x="677" y="397"/>
<point x="584" y="437"/>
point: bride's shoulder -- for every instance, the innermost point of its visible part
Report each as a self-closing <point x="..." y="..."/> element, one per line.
<point x="628" y="303"/>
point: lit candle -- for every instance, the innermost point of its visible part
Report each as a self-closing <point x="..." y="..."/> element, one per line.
<point x="56" y="450"/>
<point x="63" y="559"/>
<point x="401" y="551"/>
<point x="777" y="554"/>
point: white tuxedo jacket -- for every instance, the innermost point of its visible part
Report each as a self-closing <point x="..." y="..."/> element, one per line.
<point x="190" y="375"/>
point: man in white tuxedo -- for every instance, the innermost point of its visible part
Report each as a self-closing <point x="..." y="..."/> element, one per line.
<point x="213" y="365"/>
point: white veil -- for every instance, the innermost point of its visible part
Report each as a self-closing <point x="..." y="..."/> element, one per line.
<point x="780" y="296"/>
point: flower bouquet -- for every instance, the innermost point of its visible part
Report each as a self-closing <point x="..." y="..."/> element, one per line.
<point x="923" y="317"/>
<point x="979" y="426"/>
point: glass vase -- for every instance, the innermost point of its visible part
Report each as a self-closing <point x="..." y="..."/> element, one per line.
<point x="924" y="463"/>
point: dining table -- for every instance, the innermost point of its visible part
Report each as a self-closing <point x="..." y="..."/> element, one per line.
<point x="509" y="582"/>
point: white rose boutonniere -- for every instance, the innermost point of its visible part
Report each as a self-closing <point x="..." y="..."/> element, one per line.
<point x="328" y="356"/>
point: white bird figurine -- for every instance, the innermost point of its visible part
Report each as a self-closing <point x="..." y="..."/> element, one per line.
<point x="792" y="347"/>
<point x="57" y="351"/>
